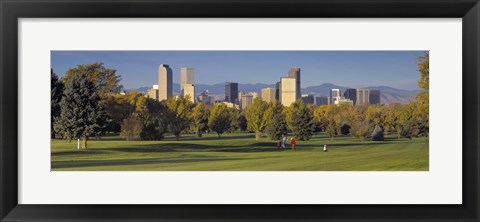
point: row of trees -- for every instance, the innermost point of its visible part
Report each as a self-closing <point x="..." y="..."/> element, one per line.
<point x="86" y="103"/>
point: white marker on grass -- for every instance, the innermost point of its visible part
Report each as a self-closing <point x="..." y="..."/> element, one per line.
<point x="78" y="144"/>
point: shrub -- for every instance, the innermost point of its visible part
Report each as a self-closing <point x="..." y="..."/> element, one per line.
<point x="377" y="134"/>
<point x="152" y="132"/>
<point x="345" y="129"/>
<point x="361" y="130"/>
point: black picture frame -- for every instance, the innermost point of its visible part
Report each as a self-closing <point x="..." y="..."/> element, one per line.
<point x="11" y="11"/>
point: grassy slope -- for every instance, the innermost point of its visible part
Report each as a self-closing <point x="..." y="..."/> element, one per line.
<point x="241" y="152"/>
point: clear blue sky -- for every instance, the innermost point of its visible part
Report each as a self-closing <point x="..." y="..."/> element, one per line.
<point x="345" y="68"/>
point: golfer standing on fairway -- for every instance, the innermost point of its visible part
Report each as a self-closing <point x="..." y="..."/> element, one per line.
<point x="292" y="142"/>
<point x="284" y="141"/>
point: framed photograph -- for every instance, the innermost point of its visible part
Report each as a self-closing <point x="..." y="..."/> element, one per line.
<point x="226" y="110"/>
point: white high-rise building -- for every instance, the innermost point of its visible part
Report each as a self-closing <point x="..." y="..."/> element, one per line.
<point x="268" y="94"/>
<point x="335" y="94"/>
<point x="187" y="76"/>
<point x="165" y="85"/>
<point x="288" y="90"/>
<point x="189" y="89"/>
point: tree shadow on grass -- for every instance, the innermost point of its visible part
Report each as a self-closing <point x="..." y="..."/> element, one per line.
<point x="211" y="137"/>
<point x="133" y="162"/>
<point x="177" y="147"/>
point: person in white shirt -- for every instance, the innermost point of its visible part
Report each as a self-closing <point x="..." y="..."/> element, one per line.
<point x="325" y="148"/>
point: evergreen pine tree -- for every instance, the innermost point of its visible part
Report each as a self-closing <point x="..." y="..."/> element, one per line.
<point x="300" y="120"/>
<point x="276" y="122"/>
<point x="82" y="113"/>
<point x="56" y="89"/>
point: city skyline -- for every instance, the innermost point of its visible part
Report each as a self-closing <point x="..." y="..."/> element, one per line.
<point x="351" y="68"/>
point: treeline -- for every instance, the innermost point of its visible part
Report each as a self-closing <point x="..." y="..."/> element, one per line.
<point x="86" y="103"/>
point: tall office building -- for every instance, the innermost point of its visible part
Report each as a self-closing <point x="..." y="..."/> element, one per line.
<point x="308" y="98"/>
<point x="334" y="95"/>
<point x="231" y="92"/>
<point x="295" y="73"/>
<point x="189" y="89"/>
<point x="153" y="92"/>
<point x="247" y="100"/>
<point x="165" y="85"/>
<point x="187" y="76"/>
<point x="268" y="94"/>
<point x="277" y="91"/>
<point x="288" y="91"/>
<point x="363" y="97"/>
<point x="374" y="97"/>
<point x="205" y="98"/>
<point x="351" y="94"/>
<point x="321" y="100"/>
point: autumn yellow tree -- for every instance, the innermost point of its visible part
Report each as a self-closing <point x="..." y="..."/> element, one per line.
<point x="219" y="120"/>
<point x="200" y="114"/>
<point x="106" y="80"/>
<point x="179" y="114"/>
<point x="421" y="111"/>
<point x="255" y="115"/>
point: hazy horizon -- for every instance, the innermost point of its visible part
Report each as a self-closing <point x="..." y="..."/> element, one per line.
<point x="396" y="69"/>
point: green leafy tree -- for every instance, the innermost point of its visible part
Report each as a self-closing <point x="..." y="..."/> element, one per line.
<point x="276" y="121"/>
<point x="56" y="89"/>
<point x="255" y="114"/>
<point x="154" y="117"/>
<point x="119" y="107"/>
<point x="106" y="80"/>
<point x="179" y="113"/>
<point x="242" y="122"/>
<point x="82" y="111"/>
<point x="300" y="120"/>
<point x="234" y="119"/>
<point x="219" y="120"/>
<point x="200" y="114"/>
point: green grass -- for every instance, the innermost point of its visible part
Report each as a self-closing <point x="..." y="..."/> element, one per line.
<point x="240" y="152"/>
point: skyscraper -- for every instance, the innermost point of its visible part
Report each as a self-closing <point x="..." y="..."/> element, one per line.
<point x="189" y="89"/>
<point x="295" y="73"/>
<point x="187" y="76"/>
<point x="277" y="91"/>
<point x="247" y="100"/>
<point x="334" y="95"/>
<point x="374" y="97"/>
<point x="308" y="98"/>
<point x="363" y="97"/>
<point x="288" y="91"/>
<point x="205" y="98"/>
<point x="165" y="86"/>
<point x="351" y="94"/>
<point x="268" y="94"/>
<point x="231" y="92"/>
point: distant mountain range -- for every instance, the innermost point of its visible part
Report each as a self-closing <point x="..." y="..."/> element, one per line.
<point x="388" y="94"/>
